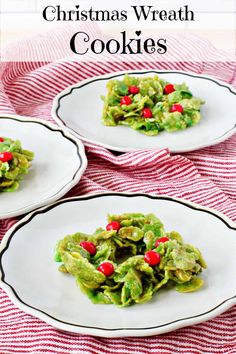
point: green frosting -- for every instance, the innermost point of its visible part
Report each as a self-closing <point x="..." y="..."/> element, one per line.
<point x="133" y="279"/>
<point x="151" y="95"/>
<point x="11" y="172"/>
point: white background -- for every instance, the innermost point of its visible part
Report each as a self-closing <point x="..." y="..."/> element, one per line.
<point x="214" y="20"/>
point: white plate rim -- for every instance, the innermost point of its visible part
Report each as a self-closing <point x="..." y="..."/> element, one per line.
<point x="74" y="179"/>
<point x="56" y="106"/>
<point x="114" y="332"/>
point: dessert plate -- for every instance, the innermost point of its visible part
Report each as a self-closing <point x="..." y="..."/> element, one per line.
<point x="37" y="287"/>
<point x="58" y="164"/>
<point x="79" y="108"/>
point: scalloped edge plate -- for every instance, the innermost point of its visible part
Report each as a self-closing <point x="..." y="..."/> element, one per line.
<point x="87" y="125"/>
<point x="57" y="300"/>
<point x="36" y="127"/>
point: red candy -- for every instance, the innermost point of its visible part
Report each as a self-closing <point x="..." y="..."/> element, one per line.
<point x="114" y="225"/>
<point x="152" y="258"/>
<point x="161" y="240"/>
<point x="89" y="247"/>
<point x="106" y="268"/>
<point x="125" y="101"/>
<point x="169" y="89"/>
<point x="147" y="113"/>
<point x="133" y="90"/>
<point x="176" y="108"/>
<point x="6" y="156"/>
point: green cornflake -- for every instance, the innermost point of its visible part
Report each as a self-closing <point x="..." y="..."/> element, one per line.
<point x="11" y="172"/>
<point x="133" y="280"/>
<point x="192" y="285"/>
<point x="151" y="95"/>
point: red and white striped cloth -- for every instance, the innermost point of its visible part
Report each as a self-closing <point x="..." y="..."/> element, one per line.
<point x="207" y="177"/>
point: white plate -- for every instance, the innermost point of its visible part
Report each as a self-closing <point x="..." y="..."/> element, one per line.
<point x="79" y="108"/>
<point x="58" y="164"/>
<point x="37" y="287"/>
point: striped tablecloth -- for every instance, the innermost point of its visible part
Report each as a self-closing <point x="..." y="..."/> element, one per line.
<point x="207" y="177"/>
